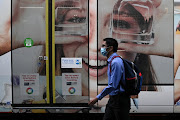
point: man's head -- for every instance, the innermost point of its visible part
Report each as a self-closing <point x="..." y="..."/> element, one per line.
<point x="109" y="46"/>
<point x="111" y="43"/>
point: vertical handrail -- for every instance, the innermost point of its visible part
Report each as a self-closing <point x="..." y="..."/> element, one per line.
<point x="47" y="51"/>
<point x="53" y="51"/>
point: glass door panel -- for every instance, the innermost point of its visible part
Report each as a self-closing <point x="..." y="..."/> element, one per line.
<point x="29" y="54"/>
<point x="71" y="51"/>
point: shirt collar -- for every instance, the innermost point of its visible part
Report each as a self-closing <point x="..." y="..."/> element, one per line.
<point x="110" y="58"/>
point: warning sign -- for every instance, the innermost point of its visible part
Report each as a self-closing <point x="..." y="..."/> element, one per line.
<point x="71" y="84"/>
<point x="29" y="84"/>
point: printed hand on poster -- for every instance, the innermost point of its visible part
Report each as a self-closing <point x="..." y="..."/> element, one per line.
<point x="23" y="21"/>
<point x="155" y="49"/>
<point x="5" y="27"/>
<point x="176" y="90"/>
<point x="75" y="46"/>
<point x="176" y="65"/>
<point x="176" y="52"/>
<point x="162" y="46"/>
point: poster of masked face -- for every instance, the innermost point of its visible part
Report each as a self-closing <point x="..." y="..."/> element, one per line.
<point x="143" y="29"/>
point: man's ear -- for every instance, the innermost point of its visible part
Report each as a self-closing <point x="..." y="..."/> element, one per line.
<point x="111" y="48"/>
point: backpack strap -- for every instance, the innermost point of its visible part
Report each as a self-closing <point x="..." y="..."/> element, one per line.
<point x="110" y="72"/>
<point x="112" y="60"/>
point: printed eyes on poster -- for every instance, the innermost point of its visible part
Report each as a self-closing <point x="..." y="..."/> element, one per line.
<point x="71" y="84"/>
<point x="29" y="84"/>
<point x="71" y="62"/>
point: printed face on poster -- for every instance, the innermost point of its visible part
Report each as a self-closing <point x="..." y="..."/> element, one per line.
<point x="29" y="84"/>
<point x="71" y="84"/>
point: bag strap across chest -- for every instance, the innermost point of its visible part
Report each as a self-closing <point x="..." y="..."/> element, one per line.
<point x="112" y="60"/>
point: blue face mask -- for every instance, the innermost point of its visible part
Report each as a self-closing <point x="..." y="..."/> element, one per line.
<point x="103" y="51"/>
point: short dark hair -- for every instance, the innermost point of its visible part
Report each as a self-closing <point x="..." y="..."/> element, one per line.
<point x="112" y="42"/>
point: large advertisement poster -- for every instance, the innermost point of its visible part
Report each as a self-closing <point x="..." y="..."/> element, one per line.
<point x="144" y="30"/>
<point x="71" y="48"/>
<point x="28" y="51"/>
<point x="5" y="59"/>
<point x="176" y="57"/>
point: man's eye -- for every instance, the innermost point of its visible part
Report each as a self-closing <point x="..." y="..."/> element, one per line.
<point x="77" y="20"/>
<point x="121" y="24"/>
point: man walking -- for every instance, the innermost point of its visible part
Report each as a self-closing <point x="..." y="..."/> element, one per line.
<point x="118" y="105"/>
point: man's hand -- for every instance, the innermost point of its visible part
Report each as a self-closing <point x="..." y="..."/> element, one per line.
<point x="134" y="96"/>
<point x="92" y="102"/>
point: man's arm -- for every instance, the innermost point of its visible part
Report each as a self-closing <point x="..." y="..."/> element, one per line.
<point x="116" y="74"/>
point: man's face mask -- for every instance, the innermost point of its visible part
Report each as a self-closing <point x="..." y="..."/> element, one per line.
<point x="104" y="51"/>
<point x="132" y="21"/>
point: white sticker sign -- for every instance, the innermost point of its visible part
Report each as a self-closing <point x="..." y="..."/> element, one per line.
<point x="71" y="62"/>
<point x="71" y="84"/>
<point x="29" y="84"/>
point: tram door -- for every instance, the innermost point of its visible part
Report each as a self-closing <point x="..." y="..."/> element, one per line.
<point x="50" y="53"/>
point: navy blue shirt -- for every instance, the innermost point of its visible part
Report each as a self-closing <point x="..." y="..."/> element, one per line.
<point x="117" y="74"/>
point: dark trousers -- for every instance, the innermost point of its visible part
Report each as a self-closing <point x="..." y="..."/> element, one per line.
<point x="117" y="108"/>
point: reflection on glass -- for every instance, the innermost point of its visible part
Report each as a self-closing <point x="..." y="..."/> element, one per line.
<point x="71" y="31"/>
<point x="71" y="17"/>
<point x="28" y="22"/>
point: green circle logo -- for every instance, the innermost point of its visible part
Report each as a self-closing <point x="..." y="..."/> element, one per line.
<point x="28" y="42"/>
